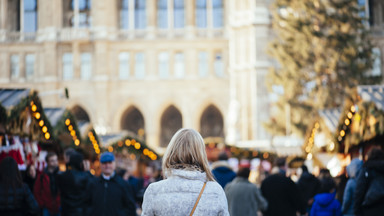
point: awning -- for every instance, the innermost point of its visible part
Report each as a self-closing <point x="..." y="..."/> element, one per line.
<point x="331" y="118"/>
<point x="11" y="97"/>
<point x="374" y="93"/>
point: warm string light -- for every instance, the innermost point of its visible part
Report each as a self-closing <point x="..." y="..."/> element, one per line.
<point x="41" y="122"/>
<point x="72" y="132"/>
<point x="347" y="122"/>
<point x="94" y="142"/>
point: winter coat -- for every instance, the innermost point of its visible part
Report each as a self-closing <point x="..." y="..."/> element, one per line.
<point x="369" y="194"/>
<point x="325" y="204"/>
<point x="222" y="172"/>
<point x="348" y="200"/>
<point x="111" y="197"/>
<point x="43" y="192"/>
<point x="309" y="186"/>
<point x="22" y="204"/>
<point x="73" y="190"/>
<point x="244" y="198"/>
<point x="283" y="196"/>
<point x="177" y="195"/>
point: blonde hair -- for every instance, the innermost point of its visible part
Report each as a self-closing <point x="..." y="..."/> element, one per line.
<point x="186" y="147"/>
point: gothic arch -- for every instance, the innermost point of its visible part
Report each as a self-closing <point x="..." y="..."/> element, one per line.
<point x="133" y="120"/>
<point x="211" y="122"/>
<point x="171" y="121"/>
<point x="80" y="114"/>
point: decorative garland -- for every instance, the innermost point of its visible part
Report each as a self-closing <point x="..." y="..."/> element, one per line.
<point x="132" y="147"/>
<point x="3" y="115"/>
<point x="68" y="125"/>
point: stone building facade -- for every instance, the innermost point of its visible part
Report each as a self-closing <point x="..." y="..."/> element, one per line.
<point x="147" y="66"/>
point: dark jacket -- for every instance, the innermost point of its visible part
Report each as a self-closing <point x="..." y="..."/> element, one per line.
<point x="46" y="192"/>
<point x="348" y="200"/>
<point x="369" y="194"/>
<point x="244" y="198"/>
<point x="283" y="196"/>
<point x="326" y="205"/>
<point x="223" y="173"/>
<point x="309" y="186"/>
<point x="110" y="197"/>
<point x="73" y="190"/>
<point x="22" y="204"/>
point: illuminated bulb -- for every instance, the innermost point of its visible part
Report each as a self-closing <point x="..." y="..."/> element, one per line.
<point x="73" y="133"/>
<point x="70" y="127"/>
<point x="37" y="115"/>
<point x="347" y="122"/>
<point x="353" y="109"/>
<point x="34" y="108"/>
<point x="349" y="115"/>
<point x="41" y="123"/>
<point x="342" y="133"/>
<point x="309" y="156"/>
<point x="137" y="145"/>
<point x="332" y="146"/>
<point x="45" y="129"/>
<point x="265" y="155"/>
<point x="127" y="142"/>
<point x="77" y="142"/>
<point x="145" y="151"/>
<point x="47" y="136"/>
<point x="67" y="122"/>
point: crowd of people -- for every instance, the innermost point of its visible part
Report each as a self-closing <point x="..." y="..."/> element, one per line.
<point x="191" y="186"/>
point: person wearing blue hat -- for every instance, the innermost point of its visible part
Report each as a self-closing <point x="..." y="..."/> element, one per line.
<point x="109" y="194"/>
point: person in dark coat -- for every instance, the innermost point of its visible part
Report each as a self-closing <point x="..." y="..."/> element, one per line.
<point x="16" y="198"/>
<point x="73" y="187"/>
<point x="221" y="170"/>
<point x="30" y="176"/>
<point x="110" y="195"/>
<point x="325" y="203"/>
<point x="282" y="194"/>
<point x="309" y="186"/>
<point x="348" y="201"/>
<point x="244" y="198"/>
<point x="369" y="193"/>
<point x="45" y="190"/>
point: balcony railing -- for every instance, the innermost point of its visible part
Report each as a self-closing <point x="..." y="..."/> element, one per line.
<point x="71" y="34"/>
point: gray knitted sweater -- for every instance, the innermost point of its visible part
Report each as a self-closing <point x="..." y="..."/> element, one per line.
<point x="177" y="195"/>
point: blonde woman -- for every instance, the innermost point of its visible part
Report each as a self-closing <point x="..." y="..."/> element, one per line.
<point x="189" y="187"/>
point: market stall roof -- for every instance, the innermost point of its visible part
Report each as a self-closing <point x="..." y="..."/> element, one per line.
<point x="109" y="139"/>
<point x="281" y="145"/>
<point x="11" y="97"/>
<point x="54" y="114"/>
<point x="374" y="93"/>
<point x="331" y="118"/>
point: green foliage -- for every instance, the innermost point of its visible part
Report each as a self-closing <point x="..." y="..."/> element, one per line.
<point x="62" y="129"/>
<point x="324" y="51"/>
<point x="3" y="115"/>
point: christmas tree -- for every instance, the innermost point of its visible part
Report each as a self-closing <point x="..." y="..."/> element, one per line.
<point x="323" y="50"/>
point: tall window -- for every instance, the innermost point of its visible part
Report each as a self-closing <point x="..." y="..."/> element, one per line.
<point x="140" y="66"/>
<point x="179" y="14"/>
<point x="217" y="12"/>
<point x="29" y="65"/>
<point x="15" y="69"/>
<point x="219" y="65"/>
<point x="124" y="14"/>
<point x="376" y="68"/>
<point x="30" y="15"/>
<point x="163" y="60"/>
<point x="140" y="14"/>
<point x="67" y="66"/>
<point x="203" y="64"/>
<point x="84" y="15"/>
<point x="179" y="65"/>
<point x="124" y="65"/>
<point x="162" y="14"/>
<point x="86" y="66"/>
<point x="201" y="13"/>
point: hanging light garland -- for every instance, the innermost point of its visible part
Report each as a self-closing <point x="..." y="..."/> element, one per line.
<point x="93" y="140"/>
<point x="69" y="125"/>
<point x="36" y="114"/>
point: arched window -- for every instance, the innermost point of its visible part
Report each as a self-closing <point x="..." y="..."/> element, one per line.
<point x="133" y="121"/>
<point x="171" y="121"/>
<point x="211" y="123"/>
<point x="80" y="114"/>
